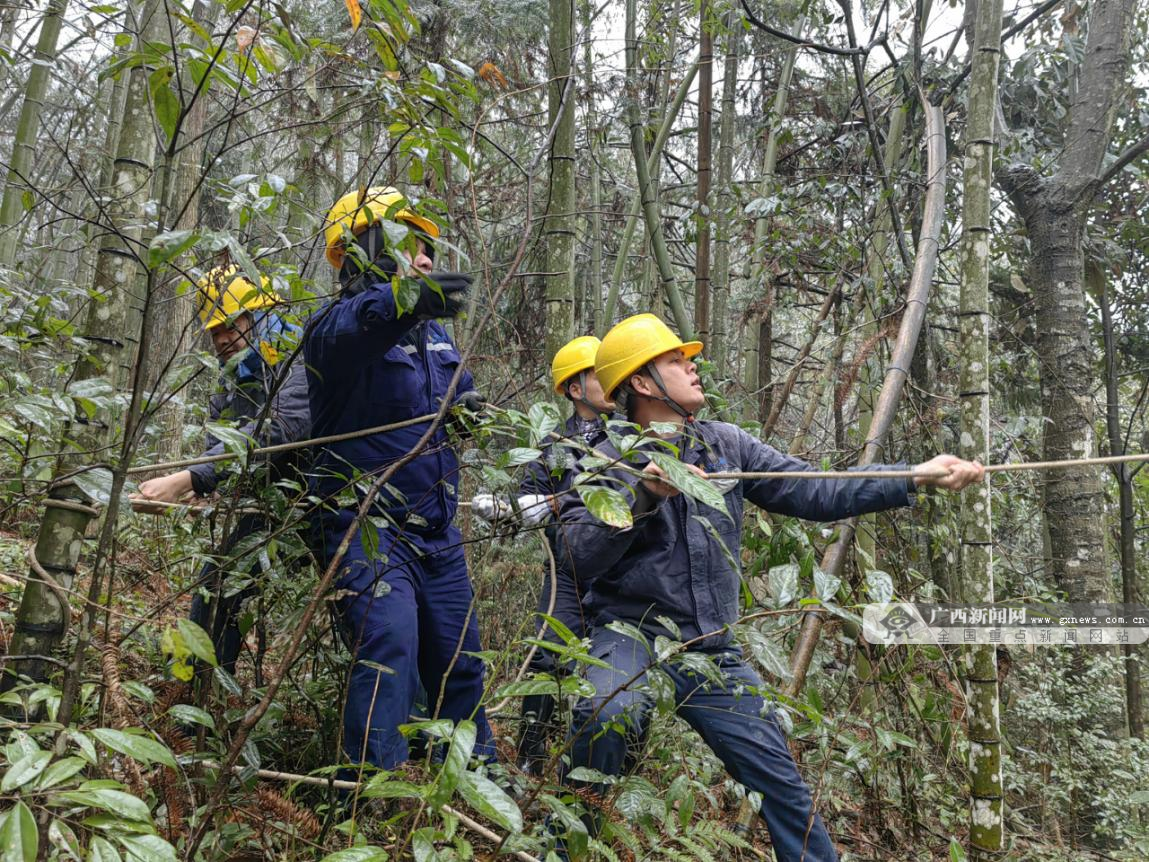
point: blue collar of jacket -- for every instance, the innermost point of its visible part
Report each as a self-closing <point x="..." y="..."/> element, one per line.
<point x="274" y="339"/>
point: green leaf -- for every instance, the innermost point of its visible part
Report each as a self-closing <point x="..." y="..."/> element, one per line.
<point x="95" y="483"/>
<point x="25" y="770"/>
<point x="521" y="455"/>
<point x="880" y="586"/>
<point x="825" y="585"/>
<point x="184" y="713"/>
<point x="170" y="244"/>
<point x="528" y="687"/>
<point x="957" y="852"/>
<point x="1141" y="797"/>
<point x="60" y="771"/>
<point x="166" y="104"/>
<point x="544" y="418"/>
<point x="606" y="504"/>
<point x="357" y="854"/>
<point x="61" y="836"/>
<point x="102" y="850"/>
<point x="116" y="801"/>
<point x="148" y="848"/>
<point x="689" y="482"/>
<point x="28" y="200"/>
<point x="19" y="840"/>
<point x="491" y="801"/>
<point x="385" y="787"/>
<point x="141" y="748"/>
<point x="455" y="763"/>
<point x="769" y="655"/>
<point x="198" y="641"/>
<point x="783" y="581"/>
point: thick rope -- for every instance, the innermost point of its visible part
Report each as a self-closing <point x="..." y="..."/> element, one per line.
<point x="931" y="474"/>
<point x="282" y="447"/>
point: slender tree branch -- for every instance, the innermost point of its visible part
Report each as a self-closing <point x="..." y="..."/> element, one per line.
<point x="1131" y="154"/>
<point x="853" y="51"/>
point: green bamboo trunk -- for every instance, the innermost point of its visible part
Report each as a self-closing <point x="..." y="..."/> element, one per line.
<point x="113" y="324"/>
<point x="720" y="276"/>
<point x="559" y="228"/>
<point x="986" y="821"/>
<point x="19" y="178"/>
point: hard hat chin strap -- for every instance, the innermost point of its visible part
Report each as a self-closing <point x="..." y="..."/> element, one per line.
<point x="665" y="398"/>
<point x="582" y="399"/>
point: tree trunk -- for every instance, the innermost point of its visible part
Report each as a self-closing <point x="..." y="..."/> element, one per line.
<point x="986" y="825"/>
<point x="1055" y="210"/>
<point x="593" y="316"/>
<point x="758" y="373"/>
<point x="113" y="327"/>
<point x="558" y="230"/>
<point x="649" y="200"/>
<point x="705" y="121"/>
<point x="19" y="178"/>
<point x="1127" y="527"/>
<point x="720" y="279"/>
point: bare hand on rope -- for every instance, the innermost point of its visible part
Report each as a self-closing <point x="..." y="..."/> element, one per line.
<point x="949" y="472"/>
<point x="172" y="488"/>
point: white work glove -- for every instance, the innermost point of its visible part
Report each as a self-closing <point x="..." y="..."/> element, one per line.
<point x="490" y="508"/>
<point x="535" y="508"/>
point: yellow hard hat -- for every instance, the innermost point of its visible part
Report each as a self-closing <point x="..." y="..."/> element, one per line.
<point x="571" y="358"/>
<point x="358" y="209"/>
<point x="222" y="294"/>
<point x="631" y="344"/>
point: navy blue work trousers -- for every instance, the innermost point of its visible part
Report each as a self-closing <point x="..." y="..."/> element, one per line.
<point x="408" y="616"/>
<point x="213" y="609"/>
<point x="731" y="718"/>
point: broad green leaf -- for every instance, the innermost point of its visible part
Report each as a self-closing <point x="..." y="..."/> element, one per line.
<point x="529" y="687"/>
<point x="385" y="787"/>
<point x="544" y="418"/>
<point x="25" y="770"/>
<point x="357" y="854"/>
<point x="767" y="653"/>
<point x="19" y="840"/>
<point x="60" y="771"/>
<point x="148" y="848"/>
<point x="423" y="845"/>
<point x="957" y="852"/>
<point x="880" y="586"/>
<point x="491" y="801"/>
<point x="61" y="836"/>
<point x="116" y="801"/>
<point x="783" y="581"/>
<point x="141" y="748"/>
<point x="689" y="482"/>
<point x="606" y="504"/>
<point x="825" y="584"/>
<point x="95" y="483"/>
<point x="455" y="763"/>
<point x="197" y="641"/>
<point x="170" y="244"/>
<point x="102" y="850"/>
<point x="184" y="713"/>
<point x="167" y="108"/>
<point x="521" y="455"/>
<point x="1141" y="797"/>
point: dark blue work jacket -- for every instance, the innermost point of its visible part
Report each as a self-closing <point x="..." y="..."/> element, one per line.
<point x="668" y="564"/>
<point x="367" y="366"/>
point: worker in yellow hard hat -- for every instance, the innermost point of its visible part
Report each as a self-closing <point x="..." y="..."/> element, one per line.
<point x="676" y="574"/>
<point x="263" y="393"/>
<point x="572" y="376"/>
<point x="377" y="355"/>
